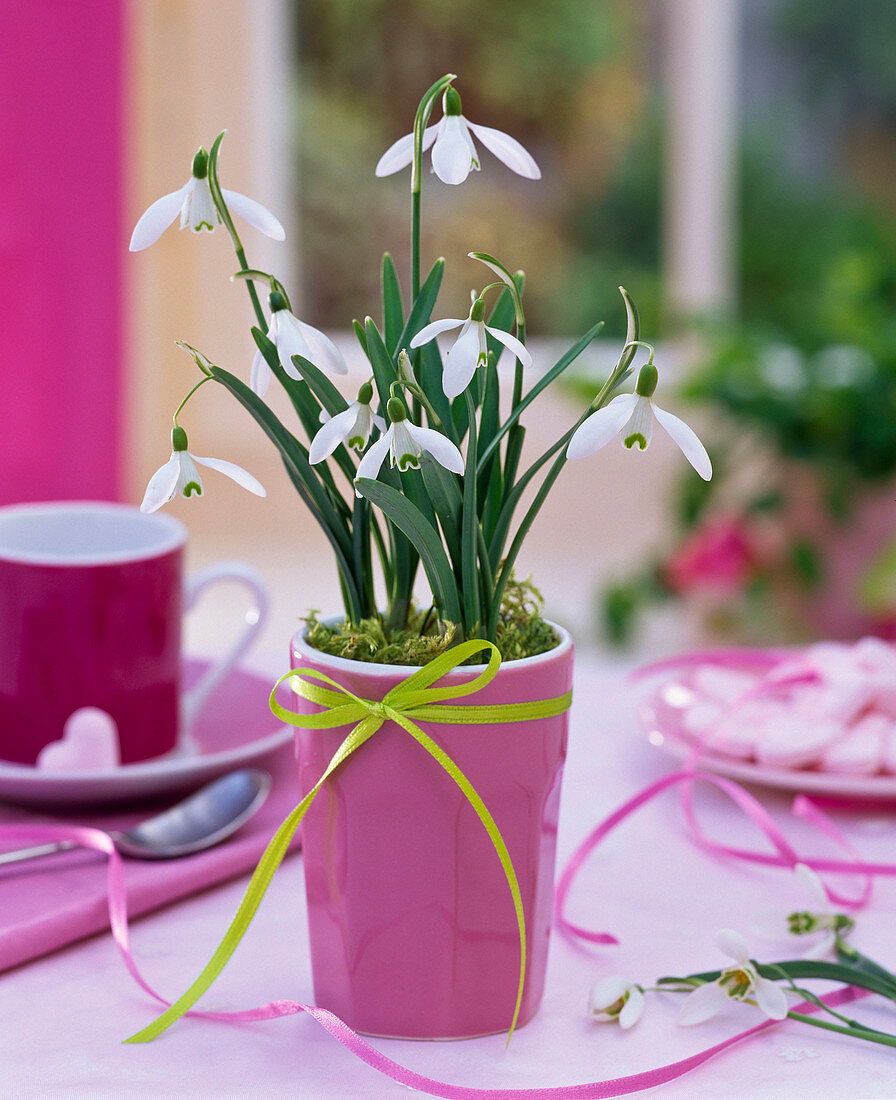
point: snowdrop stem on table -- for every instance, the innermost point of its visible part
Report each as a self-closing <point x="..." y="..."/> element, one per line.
<point x="758" y="984"/>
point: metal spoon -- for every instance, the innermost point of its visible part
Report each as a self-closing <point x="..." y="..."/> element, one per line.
<point x="210" y="815"/>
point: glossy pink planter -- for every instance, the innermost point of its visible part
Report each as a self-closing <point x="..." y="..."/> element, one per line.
<point x="413" y="930"/>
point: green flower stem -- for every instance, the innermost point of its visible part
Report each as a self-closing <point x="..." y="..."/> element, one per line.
<point x="472" y="607"/>
<point x="515" y="546"/>
<point x="419" y="397"/>
<point x="179" y="409"/>
<point x="512" y="496"/>
<point x="807" y="995"/>
<point x="618" y="375"/>
<point x="420" y="120"/>
<point x="859" y="1032"/>
<point x="850" y="956"/>
<point x="415" y="237"/>
<point x="540" y="497"/>
<point x="574" y="352"/>
<point x="221" y="205"/>
<point x="486" y="574"/>
<point x="361" y="555"/>
<point x="518" y="369"/>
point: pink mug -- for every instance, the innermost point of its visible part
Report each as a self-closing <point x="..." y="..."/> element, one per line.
<point x="92" y="599"/>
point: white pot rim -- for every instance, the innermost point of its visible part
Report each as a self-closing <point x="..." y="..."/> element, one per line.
<point x="371" y="668"/>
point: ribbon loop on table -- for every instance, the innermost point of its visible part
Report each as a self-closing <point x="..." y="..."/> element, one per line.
<point x="410" y="701"/>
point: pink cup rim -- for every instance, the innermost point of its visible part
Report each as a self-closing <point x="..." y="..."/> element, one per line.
<point x="347" y="664"/>
<point x="149" y="536"/>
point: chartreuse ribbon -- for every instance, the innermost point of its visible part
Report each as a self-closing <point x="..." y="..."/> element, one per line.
<point x="407" y="703"/>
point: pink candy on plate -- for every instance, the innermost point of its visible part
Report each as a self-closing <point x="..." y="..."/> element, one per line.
<point x="89" y="743"/>
<point x="830" y="707"/>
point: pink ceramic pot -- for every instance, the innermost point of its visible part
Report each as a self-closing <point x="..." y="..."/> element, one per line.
<point x="413" y="929"/>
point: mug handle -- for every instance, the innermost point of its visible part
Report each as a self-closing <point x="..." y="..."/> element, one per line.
<point x="194" y="700"/>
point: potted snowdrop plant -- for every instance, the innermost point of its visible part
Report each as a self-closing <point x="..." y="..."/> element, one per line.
<point x="428" y="817"/>
<point x="766" y="987"/>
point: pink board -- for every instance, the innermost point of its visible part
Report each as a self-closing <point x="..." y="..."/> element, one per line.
<point x="62" y="243"/>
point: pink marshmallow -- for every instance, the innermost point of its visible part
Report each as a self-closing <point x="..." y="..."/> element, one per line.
<point x="89" y="743"/>
<point x="723" y="685"/>
<point x="860" y="750"/>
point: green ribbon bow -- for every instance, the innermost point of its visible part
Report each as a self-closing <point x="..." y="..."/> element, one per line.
<point x="412" y="699"/>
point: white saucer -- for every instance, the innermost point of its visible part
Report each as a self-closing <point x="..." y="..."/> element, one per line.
<point x="235" y="729"/>
<point x="660" y="717"/>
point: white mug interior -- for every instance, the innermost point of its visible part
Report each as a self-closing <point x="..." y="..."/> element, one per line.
<point x="79" y="533"/>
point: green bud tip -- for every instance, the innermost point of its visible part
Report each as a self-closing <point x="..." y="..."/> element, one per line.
<point x="200" y="164"/>
<point x="648" y="377"/>
<point x="276" y="301"/>
<point x="365" y="394"/>
<point x="178" y="439"/>
<point x="451" y="102"/>
<point x="477" y="310"/>
<point x="395" y="410"/>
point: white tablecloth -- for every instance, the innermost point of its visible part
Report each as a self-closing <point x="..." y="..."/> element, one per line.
<point x="64" y="1016"/>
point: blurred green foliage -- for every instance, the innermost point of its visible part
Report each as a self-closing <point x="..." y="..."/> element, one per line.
<point x="811" y="363"/>
<point x="845" y="50"/>
<point x="568" y="83"/>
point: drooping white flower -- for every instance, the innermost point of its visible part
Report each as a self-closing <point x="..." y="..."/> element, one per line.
<point x="352" y="426"/>
<point x="822" y="920"/>
<point x="453" y="152"/>
<point x="632" y="416"/>
<point x="405" y="443"/>
<point x="739" y="983"/>
<point x="197" y="210"/>
<point x="470" y="348"/>
<point x="179" y="475"/>
<point x="291" y="337"/>
<point x="616" y="999"/>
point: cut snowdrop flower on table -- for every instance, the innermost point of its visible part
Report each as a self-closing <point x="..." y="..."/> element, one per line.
<point x="454" y="153"/>
<point x="763" y="985"/>
<point x="802" y="909"/>
<point x="470" y="349"/>
<point x="197" y="210"/>
<point x="631" y="415"/>
<point x="290" y="337"/>
<point x="740" y="983"/>
<point x="179" y="475"/>
<point x="832" y="926"/>
<point x="616" y="999"/>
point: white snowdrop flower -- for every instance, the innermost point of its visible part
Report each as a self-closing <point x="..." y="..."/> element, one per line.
<point x="197" y="210"/>
<point x="631" y="415"/>
<point x="179" y="475"/>
<point x="454" y="153"/>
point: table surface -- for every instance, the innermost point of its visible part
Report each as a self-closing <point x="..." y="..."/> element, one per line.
<point x="64" y="1016"/>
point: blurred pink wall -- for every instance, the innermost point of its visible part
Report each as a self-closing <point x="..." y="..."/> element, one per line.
<point x="62" y="244"/>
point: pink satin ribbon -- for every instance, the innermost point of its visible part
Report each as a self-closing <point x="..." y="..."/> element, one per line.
<point x="785" y="855"/>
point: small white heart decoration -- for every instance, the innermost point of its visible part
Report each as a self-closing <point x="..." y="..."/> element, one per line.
<point x="89" y="743"/>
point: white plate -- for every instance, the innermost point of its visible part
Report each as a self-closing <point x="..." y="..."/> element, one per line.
<point x="235" y="729"/>
<point x="660" y="717"/>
